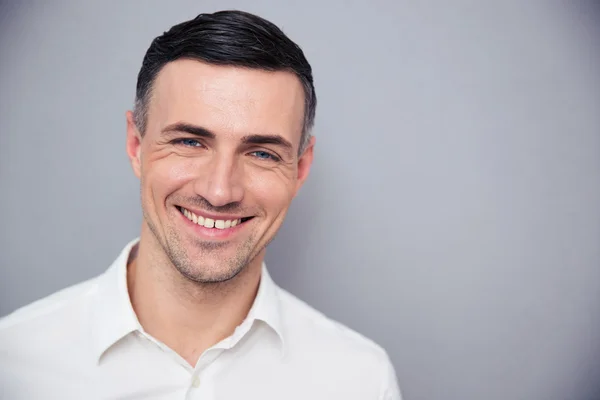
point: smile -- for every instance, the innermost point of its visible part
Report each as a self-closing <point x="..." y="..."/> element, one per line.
<point x="210" y="222"/>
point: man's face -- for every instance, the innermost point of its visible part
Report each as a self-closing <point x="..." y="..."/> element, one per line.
<point x="218" y="164"/>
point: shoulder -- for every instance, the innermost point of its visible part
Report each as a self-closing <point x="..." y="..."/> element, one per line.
<point x="52" y="312"/>
<point x="305" y="322"/>
<point x="334" y="349"/>
<point x="41" y="343"/>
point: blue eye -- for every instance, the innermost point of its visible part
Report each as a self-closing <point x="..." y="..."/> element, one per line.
<point x="190" y="142"/>
<point x="263" y="155"/>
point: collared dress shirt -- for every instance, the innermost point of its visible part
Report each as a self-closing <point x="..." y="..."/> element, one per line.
<point x="85" y="342"/>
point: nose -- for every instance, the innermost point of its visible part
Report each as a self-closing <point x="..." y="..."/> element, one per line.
<point x="221" y="183"/>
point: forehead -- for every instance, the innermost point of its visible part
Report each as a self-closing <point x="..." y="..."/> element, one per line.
<point x="227" y="100"/>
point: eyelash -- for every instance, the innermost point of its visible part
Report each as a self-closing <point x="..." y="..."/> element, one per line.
<point x="272" y="156"/>
<point x="182" y="141"/>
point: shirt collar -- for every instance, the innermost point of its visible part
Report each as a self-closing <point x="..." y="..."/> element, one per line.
<point x="112" y="313"/>
<point x="113" y="316"/>
<point x="267" y="307"/>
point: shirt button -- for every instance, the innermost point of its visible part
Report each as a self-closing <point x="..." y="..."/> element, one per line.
<point x="196" y="382"/>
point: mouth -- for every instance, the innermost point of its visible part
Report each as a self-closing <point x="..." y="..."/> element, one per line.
<point x="212" y="223"/>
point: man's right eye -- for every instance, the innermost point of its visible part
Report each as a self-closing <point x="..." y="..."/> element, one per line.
<point x="188" y="142"/>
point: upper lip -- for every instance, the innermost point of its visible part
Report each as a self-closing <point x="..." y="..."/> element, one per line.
<point x="214" y="216"/>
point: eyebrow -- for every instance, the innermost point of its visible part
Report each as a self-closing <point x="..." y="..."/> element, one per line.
<point x="269" y="139"/>
<point x="248" y="139"/>
<point x="188" y="128"/>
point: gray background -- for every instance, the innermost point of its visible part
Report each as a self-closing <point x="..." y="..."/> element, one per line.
<point x="452" y="214"/>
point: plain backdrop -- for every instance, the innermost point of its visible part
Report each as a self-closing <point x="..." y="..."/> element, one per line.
<point x="453" y="210"/>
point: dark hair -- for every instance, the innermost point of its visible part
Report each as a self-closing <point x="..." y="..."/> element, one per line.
<point x="233" y="38"/>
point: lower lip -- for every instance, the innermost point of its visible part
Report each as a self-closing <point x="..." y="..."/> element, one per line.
<point x="212" y="233"/>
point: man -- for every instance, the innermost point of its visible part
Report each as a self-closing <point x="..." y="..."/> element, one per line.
<point x="220" y="139"/>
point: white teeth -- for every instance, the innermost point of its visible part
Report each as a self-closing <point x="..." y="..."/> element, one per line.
<point x="209" y="222"/>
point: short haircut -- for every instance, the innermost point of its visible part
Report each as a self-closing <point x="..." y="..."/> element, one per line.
<point x="234" y="38"/>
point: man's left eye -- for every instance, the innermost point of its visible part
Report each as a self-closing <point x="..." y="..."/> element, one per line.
<point x="263" y="155"/>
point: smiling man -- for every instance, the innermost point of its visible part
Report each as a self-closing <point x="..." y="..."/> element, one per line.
<point x="220" y="140"/>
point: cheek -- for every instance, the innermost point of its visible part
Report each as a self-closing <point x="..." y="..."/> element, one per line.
<point x="273" y="192"/>
<point x="164" y="176"/>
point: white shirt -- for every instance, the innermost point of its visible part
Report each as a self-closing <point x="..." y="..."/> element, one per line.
<point x="85" y="342"/>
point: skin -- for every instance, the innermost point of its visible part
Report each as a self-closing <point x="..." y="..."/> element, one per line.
<point x="221" y="141"/>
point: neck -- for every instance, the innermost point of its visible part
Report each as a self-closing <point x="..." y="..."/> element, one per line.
<point x="189" y="317"/>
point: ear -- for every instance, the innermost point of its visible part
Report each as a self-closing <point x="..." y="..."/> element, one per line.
<point x="134" y="144"/>
<point x="304" y="164"/>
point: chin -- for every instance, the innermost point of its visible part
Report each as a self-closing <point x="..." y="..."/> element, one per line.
<point x="209" y="277"/>
<point x="210" y="271"/>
